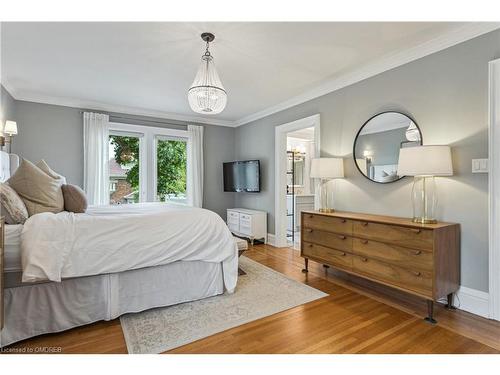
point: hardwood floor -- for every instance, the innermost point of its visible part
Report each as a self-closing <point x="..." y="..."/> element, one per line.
<point x="357" y="317"/>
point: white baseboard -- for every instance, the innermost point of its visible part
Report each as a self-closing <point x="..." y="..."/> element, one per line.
<point x="271" y="239"/>
<point x="473" y="301"/>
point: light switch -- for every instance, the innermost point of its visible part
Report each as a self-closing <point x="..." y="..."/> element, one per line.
<point x="479" y="165"/>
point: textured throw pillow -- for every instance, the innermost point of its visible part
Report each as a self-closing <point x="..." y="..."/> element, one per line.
<point x="13" y="208"/>
<point x="45" y="167"/>
<point x="75" y="199"/>
<point x="39" y="191"/>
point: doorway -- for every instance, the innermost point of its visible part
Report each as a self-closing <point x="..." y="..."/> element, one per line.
<point x="291" y="150"/>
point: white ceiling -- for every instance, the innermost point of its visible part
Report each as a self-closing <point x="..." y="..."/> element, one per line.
<point x="306" y="134"/>
<point x="146" y="68"/>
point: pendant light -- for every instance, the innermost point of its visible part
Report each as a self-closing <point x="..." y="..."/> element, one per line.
<point x="207" y="95"/>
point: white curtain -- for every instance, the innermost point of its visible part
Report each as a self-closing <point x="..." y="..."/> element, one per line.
<point x="96" y="157"/>
<point x="195" y="166"/>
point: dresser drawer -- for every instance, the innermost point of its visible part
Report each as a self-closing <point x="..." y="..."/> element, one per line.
<point x="416" y="280"/>
<point x="245" y="219"/>
<point x="330" y="256"/>
<point x="245" y="229"/>
<point x="331" y="240"/>
<point x="397" y="255"/>
<point x="327" y="223"/>
<point x="233" y="215"/>
<point x="396" y="235"/>
<point x="233" y="227"/>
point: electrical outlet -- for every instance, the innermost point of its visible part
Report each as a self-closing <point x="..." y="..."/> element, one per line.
<point x="479" y="165"/>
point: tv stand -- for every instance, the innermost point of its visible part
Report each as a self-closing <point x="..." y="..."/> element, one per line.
<point x="251" y="224"/>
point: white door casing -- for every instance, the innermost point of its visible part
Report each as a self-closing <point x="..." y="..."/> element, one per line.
<point x="494" y="189"/>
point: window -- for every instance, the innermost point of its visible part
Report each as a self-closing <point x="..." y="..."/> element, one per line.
<point x="147" y="164"/>
<point x="171" y="165"/>
<point x="124" y="168"/>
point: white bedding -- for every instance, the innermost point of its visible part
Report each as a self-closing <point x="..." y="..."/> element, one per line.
<point x="12" y="250"/>
<point x="111" y="239"/>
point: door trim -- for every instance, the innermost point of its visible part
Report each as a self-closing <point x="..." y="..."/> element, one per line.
<point x="494" y="189"/>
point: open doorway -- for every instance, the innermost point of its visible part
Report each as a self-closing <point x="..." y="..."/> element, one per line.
<point x="296" y="143"/>
<point x="299" y="186"/>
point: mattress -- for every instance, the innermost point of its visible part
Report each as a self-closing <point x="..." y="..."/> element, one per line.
<point x="12" y="248"/>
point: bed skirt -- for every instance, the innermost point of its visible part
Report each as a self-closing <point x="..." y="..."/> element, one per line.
<point x="53" y="307"/>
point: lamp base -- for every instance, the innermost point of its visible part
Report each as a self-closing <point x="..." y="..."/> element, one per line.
<point x="327" y="210"/>
<point x="423" y="220"/>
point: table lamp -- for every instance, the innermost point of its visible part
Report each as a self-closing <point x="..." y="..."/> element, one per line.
<point x="425" y="163"/>
<point x="326" y="169"/>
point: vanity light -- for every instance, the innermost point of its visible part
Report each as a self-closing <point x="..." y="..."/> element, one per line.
<point x="424" y="163"/>
<point x="326" y="169"/>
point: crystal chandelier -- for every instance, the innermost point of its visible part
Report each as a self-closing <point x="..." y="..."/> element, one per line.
<point x="207" y="95"/>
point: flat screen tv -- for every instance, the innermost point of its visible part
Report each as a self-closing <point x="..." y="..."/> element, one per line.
<point x="242" y="176"/>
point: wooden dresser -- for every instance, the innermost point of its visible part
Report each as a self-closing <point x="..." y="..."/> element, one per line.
<point x="421" y="259"/>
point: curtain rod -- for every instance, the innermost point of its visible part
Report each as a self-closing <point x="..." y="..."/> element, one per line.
<point x="139" y="119"/>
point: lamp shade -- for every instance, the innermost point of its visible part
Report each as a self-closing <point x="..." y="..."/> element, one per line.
<point x="327" y="168"/>
<point x="425" y="161"/>
<point x="10" y="128"/>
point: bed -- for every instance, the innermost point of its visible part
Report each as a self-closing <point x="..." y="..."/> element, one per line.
<point x="108" y="262"/>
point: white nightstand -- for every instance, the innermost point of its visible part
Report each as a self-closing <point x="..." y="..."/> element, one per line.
<point x="251" y="224"/>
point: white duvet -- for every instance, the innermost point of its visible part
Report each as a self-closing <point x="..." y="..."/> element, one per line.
<point x="112" y="239"/>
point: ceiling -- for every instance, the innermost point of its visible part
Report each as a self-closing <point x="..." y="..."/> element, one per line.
<point x="147" y="68"/>
<point x="306" y="134"/>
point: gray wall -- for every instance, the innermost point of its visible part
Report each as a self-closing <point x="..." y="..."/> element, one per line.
<point x="446" y="93"/>
<point x="55" y="133"/>
<point x="7" y="107"/>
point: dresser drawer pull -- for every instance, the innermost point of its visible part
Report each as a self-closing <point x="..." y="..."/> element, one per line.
<point x="365" y="224"/>
<point x="344" y="220"/>
<point x="364" y="242"/>
<point x="309" y="230"/>
<point x="417" y="252"/>
<point x="310" y="245"/>
<point x="343" y="254"/>
<point x="364" y="259"/>
<point x="417" y="231"/>
<point x="310" y="216"/>
<point x="342" y="237"/>
<point x="417" y="273"/>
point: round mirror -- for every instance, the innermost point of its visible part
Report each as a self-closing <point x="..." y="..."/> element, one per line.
<point x="377" y="145"/>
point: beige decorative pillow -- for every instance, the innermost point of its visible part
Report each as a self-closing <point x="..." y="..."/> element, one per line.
<point x="39" y="191"/>
<point x="42" y="164"/>
<point x="13" y="208"/>
<point x="75" y="199"/>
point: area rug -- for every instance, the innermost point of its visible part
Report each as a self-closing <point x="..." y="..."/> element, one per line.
<point x="260" y="293"/>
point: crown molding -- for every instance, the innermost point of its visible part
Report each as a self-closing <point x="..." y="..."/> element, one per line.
<point x="106" y="107"/>
<point x="381" y="65"/>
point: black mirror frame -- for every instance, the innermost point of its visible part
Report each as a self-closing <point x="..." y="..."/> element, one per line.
<point x="359" y="131"/>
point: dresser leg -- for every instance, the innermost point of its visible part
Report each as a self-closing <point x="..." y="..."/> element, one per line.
<point x="306" y="269"/>
<point x="326" y="266"/>
<point x="449" y="305"/>
<point x="430" y="312"/>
